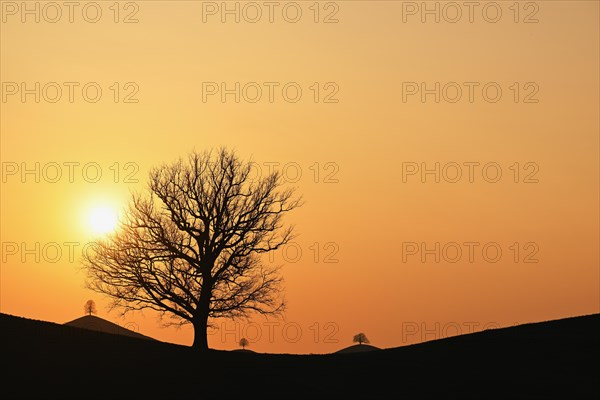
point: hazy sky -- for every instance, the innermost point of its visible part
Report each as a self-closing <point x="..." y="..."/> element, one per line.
<point x="363" y="105"/>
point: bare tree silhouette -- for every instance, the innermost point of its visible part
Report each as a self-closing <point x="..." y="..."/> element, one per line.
<point x="244" y="342"/>
<point x="360" y="338"/>
<point x="191" y="247"/>
<point x="90" y="307"/>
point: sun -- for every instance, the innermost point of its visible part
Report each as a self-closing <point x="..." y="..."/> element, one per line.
<point x="102" y="220"/>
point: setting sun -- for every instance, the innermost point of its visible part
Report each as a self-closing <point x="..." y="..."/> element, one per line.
<point x="102" y="219"/>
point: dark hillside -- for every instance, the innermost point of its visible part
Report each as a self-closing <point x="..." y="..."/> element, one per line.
<point x="540" y="360"/>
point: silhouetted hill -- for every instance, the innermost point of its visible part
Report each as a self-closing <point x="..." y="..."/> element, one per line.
<point x="357" y="348"/>
<point x="94" y="323"/>
<point x="243" y="351"/>
<point x="552" y="359"/>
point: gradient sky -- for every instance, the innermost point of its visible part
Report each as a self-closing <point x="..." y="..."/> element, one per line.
<point x="362" y="209"/>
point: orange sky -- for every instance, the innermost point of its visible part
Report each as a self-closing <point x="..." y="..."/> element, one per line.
<point x="354" y="148"/>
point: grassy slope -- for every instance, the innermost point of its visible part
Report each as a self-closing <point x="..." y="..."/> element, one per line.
<point x="541" y="360"/>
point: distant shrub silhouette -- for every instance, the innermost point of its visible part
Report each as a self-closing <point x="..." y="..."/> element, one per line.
<point x="90" y="307"/>
<point x="244" y="342"/>
<point x="360" y="338"/>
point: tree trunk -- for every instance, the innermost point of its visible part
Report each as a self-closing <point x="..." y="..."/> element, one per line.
<point x="201" y="319"/>
<point x="200" y="333"/>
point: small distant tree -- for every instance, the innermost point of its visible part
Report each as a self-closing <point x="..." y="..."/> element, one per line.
<point x="90" y="307"/>
<point x="244" y="342"/>
<point x="360" y="338"/>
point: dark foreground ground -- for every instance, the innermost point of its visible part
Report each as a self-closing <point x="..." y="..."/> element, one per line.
<point x="553" y="359"/>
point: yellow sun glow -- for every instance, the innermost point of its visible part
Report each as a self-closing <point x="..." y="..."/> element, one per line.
<point x="102" y="219"/>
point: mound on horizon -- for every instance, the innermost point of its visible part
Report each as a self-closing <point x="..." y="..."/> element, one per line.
<point x="357" y="348"/>
<point x="98" y="324"/>
<point x="243" y="351"/>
